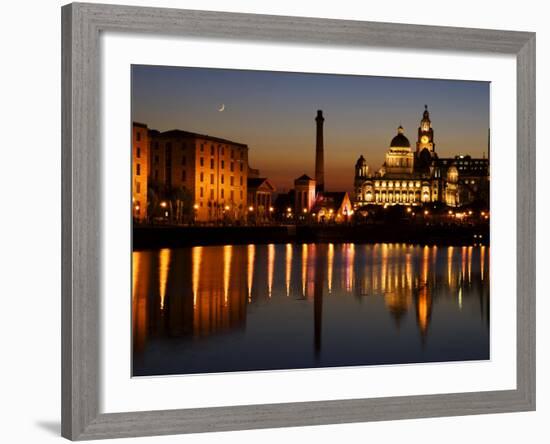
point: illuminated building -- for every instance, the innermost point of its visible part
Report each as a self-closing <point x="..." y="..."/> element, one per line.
<point x="410" y="177"/>
<point x="332" y="206"/>
<point x="304" y="194"/>
<point x="260" y="198"/>
<point x="140" y="170"/>
<point x="198" y="177"/>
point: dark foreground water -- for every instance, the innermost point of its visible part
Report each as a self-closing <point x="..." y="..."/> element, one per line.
<point x="277" y="306"/>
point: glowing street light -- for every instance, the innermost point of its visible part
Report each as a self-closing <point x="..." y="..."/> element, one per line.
<point x="163" y="204"/>
<point x="251" y="208"/>
<point x="271" y="209"/>
<point x="196" y="206"/>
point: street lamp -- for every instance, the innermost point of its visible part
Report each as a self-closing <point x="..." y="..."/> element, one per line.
<point x="250" y="208"/>
<point x="163" y="204"/>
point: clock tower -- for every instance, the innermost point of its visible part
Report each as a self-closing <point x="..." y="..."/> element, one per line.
<point x="425" y="134"/>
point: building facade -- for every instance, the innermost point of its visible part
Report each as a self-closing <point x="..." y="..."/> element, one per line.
<point x="260" y="198"/>
<point x="140" y="170"/>
<point x="334" y="206"/>
<point x="198" y="177"/>
<point x="418" y="177"/>
<point x="304" y="194"/>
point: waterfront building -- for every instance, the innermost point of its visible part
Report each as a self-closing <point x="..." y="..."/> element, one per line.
<point x="304" y="194"/>
<point x="332" y="206"/>
<point x="198" y="177"/>
<point x="140" y="170"/>
<point x="260" y="198"/>
<point x="418" y="177"/>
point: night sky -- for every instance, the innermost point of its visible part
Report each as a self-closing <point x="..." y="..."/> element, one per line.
<point x="273" y="113"/>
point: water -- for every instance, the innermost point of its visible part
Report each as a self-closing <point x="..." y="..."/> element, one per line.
<point x="277" y="306"/>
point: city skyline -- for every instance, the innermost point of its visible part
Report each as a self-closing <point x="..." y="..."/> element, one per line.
<point x="273" y="113"/>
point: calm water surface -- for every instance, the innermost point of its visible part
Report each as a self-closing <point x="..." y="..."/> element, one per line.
<point x="277" y="306"/>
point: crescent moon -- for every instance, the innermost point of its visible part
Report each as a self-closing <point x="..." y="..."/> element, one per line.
<point x="221" y="108"/>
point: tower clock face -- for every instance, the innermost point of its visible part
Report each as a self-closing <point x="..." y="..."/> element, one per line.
<point x="424" y="139"/>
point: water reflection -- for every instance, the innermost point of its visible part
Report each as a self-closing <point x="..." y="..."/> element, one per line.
<point x="207" y="309"/>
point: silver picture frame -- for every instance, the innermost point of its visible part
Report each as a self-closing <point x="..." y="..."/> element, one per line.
<point x="82" y="25"/>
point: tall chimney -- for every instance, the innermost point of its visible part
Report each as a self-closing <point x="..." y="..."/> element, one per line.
<point x="319" y="155"/>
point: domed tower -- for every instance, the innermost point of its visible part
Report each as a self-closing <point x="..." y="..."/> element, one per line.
<point x="399" y="158"/>
<point x="400" y="140"/>
<point x="425" y="134"/>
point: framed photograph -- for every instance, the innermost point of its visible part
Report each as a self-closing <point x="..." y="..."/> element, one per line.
<point x="278" y="221"/>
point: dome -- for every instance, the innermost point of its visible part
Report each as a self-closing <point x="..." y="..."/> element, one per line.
<point x="400" y="141"/>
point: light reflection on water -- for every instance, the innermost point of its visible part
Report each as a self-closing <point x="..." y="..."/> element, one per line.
<point x="257" y="307"/>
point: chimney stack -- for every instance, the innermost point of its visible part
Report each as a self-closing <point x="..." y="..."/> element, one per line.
<point x="319" y="155"/>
